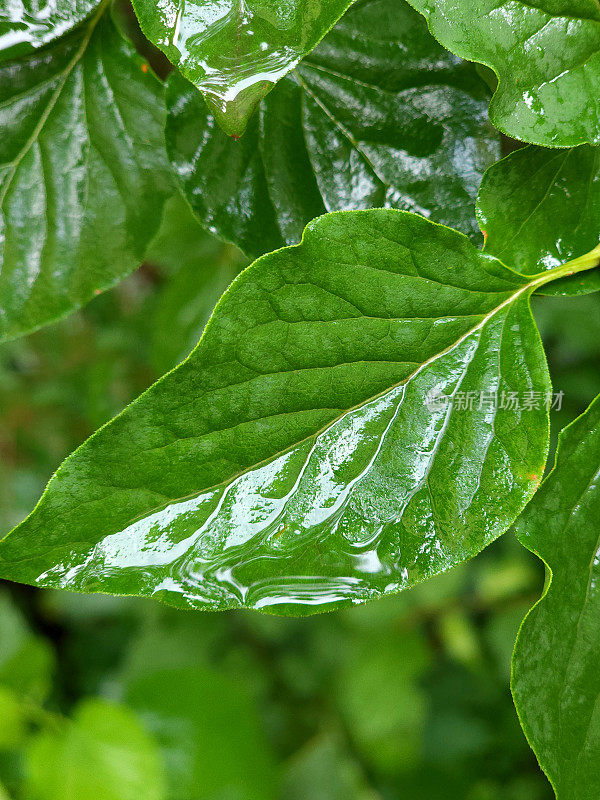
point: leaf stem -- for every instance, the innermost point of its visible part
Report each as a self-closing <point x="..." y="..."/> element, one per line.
<point x="581" y="264"/>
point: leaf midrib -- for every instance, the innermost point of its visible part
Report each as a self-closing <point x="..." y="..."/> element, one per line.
<point x="64" y="76"/>
<point x="578" y="265"/>
<point x="481" y="324"/>
<point x="530" y="286"/>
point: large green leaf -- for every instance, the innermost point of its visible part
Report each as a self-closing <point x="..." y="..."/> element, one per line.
<point x="556" y="683"/>
<point x="235" y="51"/>
<point x="378" y="115"/>
<point x="540" y="208"/>
<point x="83" y="175"/>
<point x="546" y="55"/>
<point x="26" y="25"/>
<point x="314" y="448"/>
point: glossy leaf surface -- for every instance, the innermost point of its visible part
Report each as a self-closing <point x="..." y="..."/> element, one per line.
<point x="235" y="51"/>
<point x="83" y="175"/>
<point x="378" y="115"/>
<point x="555" y="682"/>
<point x="540" y="208"/>
<point x="26" y="25"/>
<point x="304" y="455"/>
<point x="547" y="58"/>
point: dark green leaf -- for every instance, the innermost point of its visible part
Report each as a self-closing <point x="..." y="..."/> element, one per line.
<point x="556" y="683"/>
<point x="27" y="25"/>
<point x="546" y="55"/>
<point x="235" y="51"/>
<point x="83" y="175"/>
<point x="102" y="754"/>
<point x="298" y="459"/>
<point x="202" y="267"/>
<point x="540" y="208"/>
<point x="378" y="115"/>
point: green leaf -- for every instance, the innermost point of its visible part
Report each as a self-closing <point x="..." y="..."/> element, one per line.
<point x="378" y="115"/>
<point x="546" y="56"/>
<point x="300" y="458"/>
<point x="210" y="733"/>
<point x="540" y="208"/>
<point x="202" y="267"/>
<point x="555" y="679"/>
<point x="26" y="25"/>
<point x="235" y="51"/>
<point x="325" y="769"/>
<point x="381" y="674"/>
<point x="83" y="175"/>
<point x="26" y="660"/>
<point x="103" y="754"/>
<point x="14" y="728"/>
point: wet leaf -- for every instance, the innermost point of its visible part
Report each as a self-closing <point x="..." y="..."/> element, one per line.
<point x="546" y="56"/>
<point x="235" y="51"/>
<point x="83" y="175"/>
<point x="26" y="26"/>
<point x="378" y="115"/>
<point x="540" y="208"/>
<point x="555" y="679"/>
<point x="314" y="449"/>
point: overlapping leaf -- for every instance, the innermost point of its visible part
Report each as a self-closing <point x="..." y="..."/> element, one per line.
<point x="236" y="50"/>
<point x="27" y="25"/>
<point x="378" y="115"/>
<point x="547" y="58"/>
<point x="83" y="175"/>
<point x="540" y="208"/>
<point x="555" y="682"/>
<point x="316" y="448"/>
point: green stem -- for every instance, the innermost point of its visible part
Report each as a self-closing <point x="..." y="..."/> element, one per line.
<point x="581" y="264"/>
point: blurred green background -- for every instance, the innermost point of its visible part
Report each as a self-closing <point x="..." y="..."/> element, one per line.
<point x="123" y="699"/>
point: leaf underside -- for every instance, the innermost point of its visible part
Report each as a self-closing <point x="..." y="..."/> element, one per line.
<point x="377" y="115"/>
<point x="295" y="462"/>
<point x="547" y="58"/>
<point x="83" y="175"/>
<point x="555" y="679"/>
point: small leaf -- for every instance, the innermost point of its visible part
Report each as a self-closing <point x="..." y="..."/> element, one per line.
<point x="314" y="450"/>
<point x="83" y="175"/>
<point x="26" y="26"/>
<point x="540" y="208"/>
<point x="555" y="679"/>
<point x="378" y="115"/>
<point x="235" y="51"/>
<point x="546" y="56"/>
<point x="102" y="754"/>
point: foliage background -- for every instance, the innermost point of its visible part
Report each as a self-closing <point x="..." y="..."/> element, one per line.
<point x="118" y="699"/>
